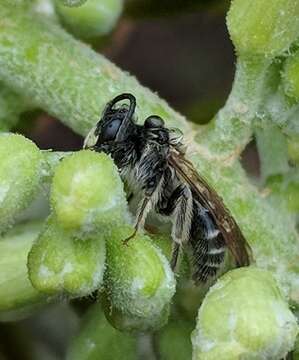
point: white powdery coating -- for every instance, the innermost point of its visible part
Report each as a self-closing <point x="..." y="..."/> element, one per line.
<point x="98" y="274"/>
<point x="90" y="345"/>
<point x="44" y="7"/>
<point x="4" y="189"/>
<point x="69" y="280"/>
<point x="67" y="269"/>
<point x="45" y="272"/>
<point x="73" y="3"/>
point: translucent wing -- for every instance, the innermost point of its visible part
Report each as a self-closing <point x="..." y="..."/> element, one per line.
<point x="209" y="198"/>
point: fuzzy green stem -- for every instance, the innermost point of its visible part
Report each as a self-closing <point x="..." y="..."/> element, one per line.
<point x="97" y="339"/>
<point x="17" y="296"/>
<point x="231" y="130"/>
<point x="273" y="152"/>
<point x="11" y="106"/>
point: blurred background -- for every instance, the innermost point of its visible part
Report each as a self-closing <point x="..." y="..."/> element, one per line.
<point x="179" y="49"/>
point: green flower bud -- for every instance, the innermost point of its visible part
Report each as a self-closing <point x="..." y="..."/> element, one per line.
<point x="125" y="322"/>
<point x="20" y="173"/>
<point x="244" y="315"/>
<point x="17" y="296"/>
<point x="290" y="76"/>
<point x="261" y="27"/>
<point x="99" y="340"/>
<point x="139" y="280"/>
<point x="87" y="193"/>
<point x="174" y="340"/>
<point x="93" y="18"/>
<point x="60" y="263"/>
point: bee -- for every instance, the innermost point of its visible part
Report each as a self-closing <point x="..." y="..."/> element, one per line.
<point x="151" y="158"/>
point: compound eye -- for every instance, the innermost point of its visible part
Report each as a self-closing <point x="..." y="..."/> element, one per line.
<point x="154" y="122"/>
<point x="110" y="130"/>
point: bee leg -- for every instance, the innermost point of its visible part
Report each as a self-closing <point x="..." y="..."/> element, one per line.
<point x="130" y="197"/>
<point x="175" y="255"/>
<point x="182" y="213"/>
<point x="143" y="210"/>
<point x="182" y="221"/>
<point x="152" y="186"/>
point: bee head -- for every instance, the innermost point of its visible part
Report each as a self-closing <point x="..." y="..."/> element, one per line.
<point x="155" y="130"/>
<point x="115" y="125"/>
<point x="154" y="122"/>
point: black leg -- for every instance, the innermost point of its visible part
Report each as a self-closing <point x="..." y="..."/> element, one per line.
<point x="175" y="255"/>
<point x="140" y="218"/>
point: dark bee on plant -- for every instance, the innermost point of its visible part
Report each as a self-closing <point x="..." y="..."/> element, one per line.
<point x="151" y="159"/>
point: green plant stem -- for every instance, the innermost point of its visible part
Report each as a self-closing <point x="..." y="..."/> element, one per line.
<point x="17" y="296"/>
<point x="230" y="131"/>
<point x="11" y="106"/>
<point x="273" y="152"/>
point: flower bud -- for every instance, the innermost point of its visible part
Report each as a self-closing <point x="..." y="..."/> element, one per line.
<point x="262" y="27"/>
<point x="139" y="280"/>
<point x="244" y="315"/>
<point x="125" y="322"/>
<point x="91" y="19"/>
<point x="59" y="263"/>
<point x="20" y="173"/>
<point x="87" y="193"/>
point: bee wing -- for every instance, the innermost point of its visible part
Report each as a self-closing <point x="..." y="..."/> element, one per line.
<point x="209" y="198"/>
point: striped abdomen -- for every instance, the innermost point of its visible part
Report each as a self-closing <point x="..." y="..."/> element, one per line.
<point x="207" y="244"/>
